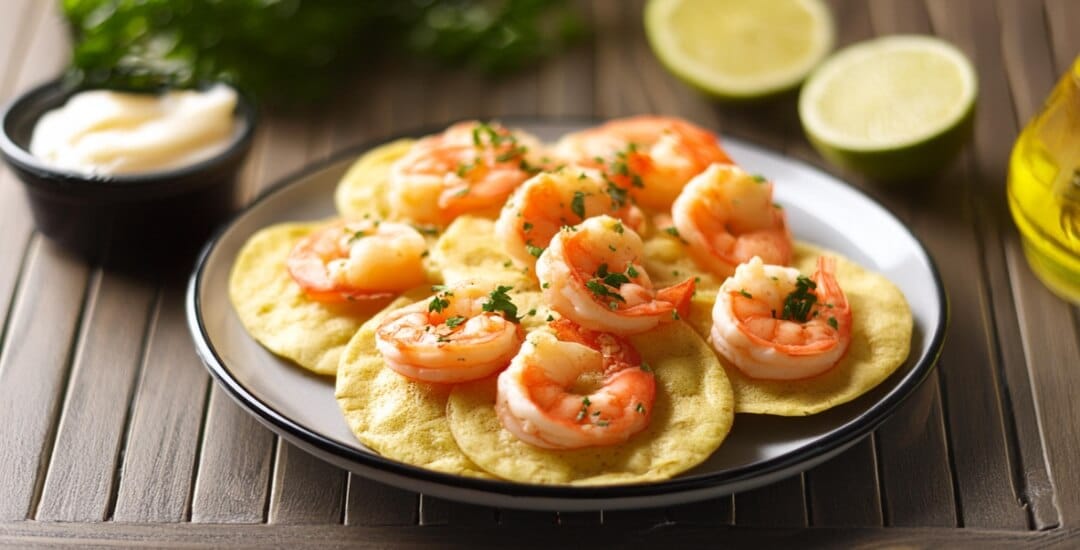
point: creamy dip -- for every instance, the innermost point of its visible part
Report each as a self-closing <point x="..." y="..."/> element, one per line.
<point x="106" y="132"/>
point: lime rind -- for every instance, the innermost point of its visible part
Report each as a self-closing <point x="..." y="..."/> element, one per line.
<point x="707" y="79"/>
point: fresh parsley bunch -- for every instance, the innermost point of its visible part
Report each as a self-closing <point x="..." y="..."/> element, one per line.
<point x="297" y="50"/>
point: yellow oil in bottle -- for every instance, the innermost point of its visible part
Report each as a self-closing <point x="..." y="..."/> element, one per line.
<point x="1044" y="188"/>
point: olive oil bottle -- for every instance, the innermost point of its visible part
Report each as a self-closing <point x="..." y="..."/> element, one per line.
<point x="1044" y="188"/>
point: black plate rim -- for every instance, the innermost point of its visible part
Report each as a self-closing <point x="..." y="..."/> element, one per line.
<point x="838" y="438"/>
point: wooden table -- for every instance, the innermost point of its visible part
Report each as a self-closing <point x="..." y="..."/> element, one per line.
<point x="112" y="432"/>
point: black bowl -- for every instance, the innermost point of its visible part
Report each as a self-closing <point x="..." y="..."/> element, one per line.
<point x="145" y="217"/>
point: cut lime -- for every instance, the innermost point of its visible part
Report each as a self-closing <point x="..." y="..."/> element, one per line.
<point x="739" y="49"/>
<point x="893" y="108"/>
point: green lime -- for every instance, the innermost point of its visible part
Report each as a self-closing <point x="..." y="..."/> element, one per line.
<point x="892" y="108"/>
<point x="739" y="49"/>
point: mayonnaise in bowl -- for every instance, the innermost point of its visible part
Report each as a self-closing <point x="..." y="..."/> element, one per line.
<point x="114" y="133"/>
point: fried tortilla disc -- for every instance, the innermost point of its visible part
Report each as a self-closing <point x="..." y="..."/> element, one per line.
<point x="274" y="310"/>
<point x="362" y="192"/>
<point x="469" y="250"/>
<point x="881" y="339"/>
<point x="394" y="416"/>
<point x="692" y="414"/>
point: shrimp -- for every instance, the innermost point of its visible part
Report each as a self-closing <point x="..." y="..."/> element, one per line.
<point x="726" y="216"/>
<point x="653" y="157"/>
<point x="471" y="167"/>
<point x="358" y="260"/>
<point x="456" y="336"/>
<point x="776" y="324"/>
<point x="592" y="274"/>
<point x="570" y="388"/>
<point x="551" y="200"/>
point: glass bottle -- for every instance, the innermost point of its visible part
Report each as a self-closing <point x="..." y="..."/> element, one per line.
<point x="1044" y="188"/>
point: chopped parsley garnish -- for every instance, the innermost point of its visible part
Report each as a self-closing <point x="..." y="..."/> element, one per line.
<point x="618" y="194"/>
<point x="426" y="230"/>
<point x="601" y="290"/>
<point x="585" y="401"/>
<point x="463" y="192"/>
<point x="526" y="226"/>
<point x="499" y="301"/>
<point x="645" y="367"/>
<point x="672" y="231"/>
<point x="833" y="323"/>
<point x="618" y="227"/>
<point x="356" y="236"/>
<point x="534" y="250"/>
<point x="798" y="304"/>
<point x="611" y="279"/>
<point x="531" y="312"/>
<point x="577" y="205"/>
<point x="438" y="303"/>
<point x="603" y="423"/>
<point x="454" y="321"/>
<point x="631" y="271"/>
<point x="758" y="178"/>
<point x="745" y="293"/>
<point x="640" y="408"/>
<point x="675" y="315"/>
<point x="545" y="285"/>
<point x="465" y="167"/>
<point x="550" y="318"/>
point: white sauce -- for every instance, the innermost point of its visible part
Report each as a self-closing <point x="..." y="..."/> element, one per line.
<point x="105" y="132"/>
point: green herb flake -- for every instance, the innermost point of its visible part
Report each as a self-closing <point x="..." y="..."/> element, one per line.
<point x="759" y="178"/>
<point x="536" y="251"/>
<point x="526" y="227"/>
<point x="631" y="271"/>
<point x="672" y="231"/>
<point x="618" y="227"/>
<point x="833" y="323"/>
<point x="645" y="367"/>
<point x="499" y="301"/>
<point x="745" y="293"/>
<point x="577" y="204"/>
<point x="675" y="315"/>
<point x="800" y="302"/>
<point x="454" y="321"/>
<point x="601" y="290"/>
<point x="640" y="408"/>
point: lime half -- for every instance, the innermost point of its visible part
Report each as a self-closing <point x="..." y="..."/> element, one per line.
<point x="893" y="108"/>
<point x="739" y="49"/>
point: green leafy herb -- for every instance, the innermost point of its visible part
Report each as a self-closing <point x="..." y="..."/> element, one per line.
<point x="645" y="367"/>
<point x="356" y="236"/>
<point x="526" y="227"/>
<point x="672" y="231"/>
<point x="631" y="271"/>
<point x="800" y="301"/>
<point x="601" y="290"/>
<point x="745" y="293"/>
<point x="454" y="321"/>
<point x="298" y="50"/>
<point x="833" y="323"/>
<point x="640" y="408"/>
<point x="618" y="227"/>
<point x="534" y="250"/>
<point x="618" y="194"/>
<point x="759" y="178"/>
<point x="577" y="205"/>
<point x="499" y="301"/>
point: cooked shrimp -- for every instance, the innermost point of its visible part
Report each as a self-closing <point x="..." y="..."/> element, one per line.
<point x="726" y="216"/>
<point x="592" y="274"/>
<point x="653" y="157"/>
<point x="571" y="388"/>
<point x="462" y="333"/>
<point x="551" y="200"/>
<point x="358" y="260"/>
<point x="776" y="324"/>
<point x="471" y="167"/>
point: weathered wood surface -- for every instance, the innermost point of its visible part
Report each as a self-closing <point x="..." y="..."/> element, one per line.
<point x="113" y="429"/>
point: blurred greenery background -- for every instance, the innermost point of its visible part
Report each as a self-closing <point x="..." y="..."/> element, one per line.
<point x="295" y="51"/>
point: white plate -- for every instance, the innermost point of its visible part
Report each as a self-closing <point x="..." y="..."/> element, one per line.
<point x="760" y="449"/>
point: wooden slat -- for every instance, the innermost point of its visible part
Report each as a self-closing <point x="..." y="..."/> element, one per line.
<point x="1031" y="75"/>
<point x="781" y="504"/>
<point x="34" y="56"/>
<point x="843" y="492"/>
<point x="566" y="81"/>
<point x="613" y="21"/>
<point x="1061" y="17"/>
<point x="234" y="466"/>
<point x="980" y="435"/>
<point x="373" y="503"/>
<point x="716" y="511"/>
<point x="80" y="479"/>
<point x="28" y="534"/>
<point x="34" y="369"/>
<point x="916" y="479"/>
<point x="438" y="511"/>
<point x="1049" y="327"/>
<point x="166" y="420"/>
<point x="306" y="490"/>
<point x="920" y="492"/>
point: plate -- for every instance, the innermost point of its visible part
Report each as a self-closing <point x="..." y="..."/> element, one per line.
<point x="301" y="407"/>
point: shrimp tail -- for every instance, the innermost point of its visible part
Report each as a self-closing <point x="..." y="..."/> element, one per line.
<point x="679" y="295"/>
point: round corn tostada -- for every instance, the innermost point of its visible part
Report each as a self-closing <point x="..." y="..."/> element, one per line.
<point x="275" y="311"/>
<point x="692" y="414"/>
<point x="880" y="340"/>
